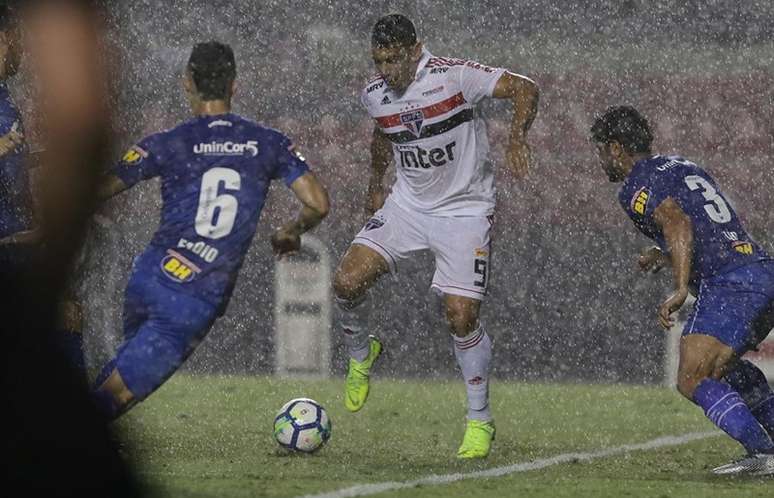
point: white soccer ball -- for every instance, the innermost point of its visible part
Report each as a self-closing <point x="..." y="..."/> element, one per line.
<point x="302" y="424"/>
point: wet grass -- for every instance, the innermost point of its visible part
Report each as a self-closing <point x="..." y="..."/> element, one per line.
<point x="212" y="437"/>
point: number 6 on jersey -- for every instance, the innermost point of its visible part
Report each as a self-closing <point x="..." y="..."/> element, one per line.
<point x="217" y="213"/>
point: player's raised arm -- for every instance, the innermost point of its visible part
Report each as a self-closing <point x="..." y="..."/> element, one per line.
<point x="678" y="232"/>
<point x="138" y="164"/>
<point x="314" y="200"/>
<point x="381" y="157"/>
<point x="525" y="96"/>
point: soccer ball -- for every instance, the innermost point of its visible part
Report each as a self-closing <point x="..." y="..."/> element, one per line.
<point x="302" y="424"/>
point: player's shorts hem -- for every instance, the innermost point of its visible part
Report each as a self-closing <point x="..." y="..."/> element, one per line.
<point x="458" y="291"/>
<point x="383" y="252"/>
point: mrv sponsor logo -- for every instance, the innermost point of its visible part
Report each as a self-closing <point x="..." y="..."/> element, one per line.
<point x="227" y="148"/>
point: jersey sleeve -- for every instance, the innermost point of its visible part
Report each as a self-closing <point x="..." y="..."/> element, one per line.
<point x="651" y="193"/>
<point x="291" y="164"/>
<point x="8" y="124"/>
<point x="478" y="81"/>
<point x="141" y="162"/>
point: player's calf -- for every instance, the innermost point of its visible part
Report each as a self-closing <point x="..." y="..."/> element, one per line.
<point x="473" y="350"/>
<point x="752" y="385"/>
<point x="112" y="397"/>
<point x="703" y="360"/>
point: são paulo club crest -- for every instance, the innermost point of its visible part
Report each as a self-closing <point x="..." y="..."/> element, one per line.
<point x="413" y="121"/>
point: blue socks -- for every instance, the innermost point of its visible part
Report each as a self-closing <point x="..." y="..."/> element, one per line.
<point x="727" y="410"/>
<point x="751" y="384"/>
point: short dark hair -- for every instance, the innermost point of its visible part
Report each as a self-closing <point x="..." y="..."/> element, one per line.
<point x="625" y="125"/>
<point x="394" y="30"/>
<point x="213" y="69"/>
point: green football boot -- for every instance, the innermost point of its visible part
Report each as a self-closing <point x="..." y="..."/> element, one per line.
<point x="356" y="387"/>
<point x="477" y="440"/>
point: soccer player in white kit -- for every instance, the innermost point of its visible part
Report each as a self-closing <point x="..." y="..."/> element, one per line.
<point x="424" y="108"/>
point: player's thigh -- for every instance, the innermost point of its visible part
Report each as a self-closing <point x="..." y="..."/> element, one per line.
<point x="390" y="236"/>
<point x="135" y="310"/>
<point x="462" y="250"/>
<point x="358" y="269"/>
<point x="729" y="308"/>
<point x="176" y="325"/>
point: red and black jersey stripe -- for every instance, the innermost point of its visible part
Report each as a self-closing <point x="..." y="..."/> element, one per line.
<point x="428" y="112"/>
<point x="433" y="129"/>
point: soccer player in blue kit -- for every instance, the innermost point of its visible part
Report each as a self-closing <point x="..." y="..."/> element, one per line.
<point x="215" y="173"/>
<point x="677" y="204"/>
<point x="16" y="220"/>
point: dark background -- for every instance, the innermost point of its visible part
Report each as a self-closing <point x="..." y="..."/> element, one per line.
<point x="566" y="301"/>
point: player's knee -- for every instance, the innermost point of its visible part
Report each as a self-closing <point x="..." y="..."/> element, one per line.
<point x="115" y="395"/>
<point x="691" y="373"/>
<point x="462" y="320"/>
<point x="346" y="286"/>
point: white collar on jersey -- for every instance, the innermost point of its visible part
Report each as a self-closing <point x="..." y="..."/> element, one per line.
<point x="426" y="55"/>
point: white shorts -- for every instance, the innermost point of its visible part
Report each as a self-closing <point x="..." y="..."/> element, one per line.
<point x="461" y="246"/>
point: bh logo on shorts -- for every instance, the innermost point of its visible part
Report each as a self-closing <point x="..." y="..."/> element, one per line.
<point x="413" y="121"/>
<point x="178" y="268"/>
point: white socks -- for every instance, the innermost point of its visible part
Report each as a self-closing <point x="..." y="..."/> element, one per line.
<point x="353" y="319"/>
<point x="474" y="354"/>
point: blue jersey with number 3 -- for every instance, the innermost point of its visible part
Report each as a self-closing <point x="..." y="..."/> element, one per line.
<point x="215" y="173"/>
<point x="720" y="241"/>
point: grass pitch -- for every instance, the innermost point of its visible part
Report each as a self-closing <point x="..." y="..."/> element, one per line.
<point x="212" y="437"/>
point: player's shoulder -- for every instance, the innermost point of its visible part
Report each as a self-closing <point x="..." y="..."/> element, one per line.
<point x="373" y="89"/>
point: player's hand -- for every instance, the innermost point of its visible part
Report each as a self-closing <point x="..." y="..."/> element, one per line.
<point x="652" y="260"/>
<point x="518" y="156"/>
<point x="672" y="303"/>
<point x="10" y="141"/>
<point x="375" y="201"/>
<point x="285" y="242"/>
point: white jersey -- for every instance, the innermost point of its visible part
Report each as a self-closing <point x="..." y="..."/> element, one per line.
<point x="439" y="141"/>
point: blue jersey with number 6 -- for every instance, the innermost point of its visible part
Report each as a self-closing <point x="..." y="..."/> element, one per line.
<point x="720" y="241"/>
<point x="215" y="173"/>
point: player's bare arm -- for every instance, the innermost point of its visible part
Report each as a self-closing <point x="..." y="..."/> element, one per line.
<point x="381" y="157"/>
<point x="10" y="141"/>
<point x="678" y="232"/>
<point x="315" y="205"/>
<point x="652" y="259"/>
<point x="525" y="95"/>
<point x="109" y="186"/>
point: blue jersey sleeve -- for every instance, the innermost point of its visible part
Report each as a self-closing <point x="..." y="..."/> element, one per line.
<point x="291" y="165"/>
<point x="652" y="192"/>
<point x="141" y="162"/>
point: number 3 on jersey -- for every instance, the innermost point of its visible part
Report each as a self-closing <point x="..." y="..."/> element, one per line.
<point x="716" y="208"/>
<point x="217" y="212"/>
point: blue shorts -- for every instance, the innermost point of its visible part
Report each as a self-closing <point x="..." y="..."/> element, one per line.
<point x="737" y="307"/>
<point x="161" y="329"/>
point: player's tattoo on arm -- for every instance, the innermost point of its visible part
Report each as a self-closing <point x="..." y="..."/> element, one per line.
<point x="678" y="232"/>
<point x="314" y="198"/>
<point x="525" y="95"/>
<point x="381" y="156"/>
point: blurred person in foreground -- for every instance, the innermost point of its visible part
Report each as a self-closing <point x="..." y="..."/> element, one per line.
<point x="427" y="122"/>
<point x="677" y="204"/>
<point x="215" y="172"/>
<point x="54" y="442"/>
<point x="20" y="237"/>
